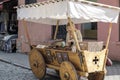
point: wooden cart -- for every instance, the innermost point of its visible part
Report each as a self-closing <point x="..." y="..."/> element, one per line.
<point x="89" y="59"/>
<point x="87" y="62"/>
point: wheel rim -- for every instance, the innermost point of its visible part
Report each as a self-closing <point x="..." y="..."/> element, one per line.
<point x="67" y="71"/>
<point x="37" y="63"/>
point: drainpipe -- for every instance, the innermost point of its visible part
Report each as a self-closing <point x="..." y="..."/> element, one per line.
<point x="5" y="21"/>
<point x="119" y="22"/>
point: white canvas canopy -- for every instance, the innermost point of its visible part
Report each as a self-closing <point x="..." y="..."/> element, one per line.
<point x="48" y="12"/>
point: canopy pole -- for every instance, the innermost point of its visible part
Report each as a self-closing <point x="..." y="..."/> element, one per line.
<point x="107" y="44"/>
<point x="109" y="34"/>
<point x="27" y="34"/>
<point x="73" y="30"/>
<point x="56" y="30"/>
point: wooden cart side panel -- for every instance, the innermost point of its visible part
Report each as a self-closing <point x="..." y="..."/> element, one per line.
<point x="50" y="57"/>
<point x="72" y="57"/>
<point x="94" y="60"/>
<point x="75" y="60"/>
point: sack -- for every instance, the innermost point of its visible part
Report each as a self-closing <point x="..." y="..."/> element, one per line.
<point x="109" y="62"/>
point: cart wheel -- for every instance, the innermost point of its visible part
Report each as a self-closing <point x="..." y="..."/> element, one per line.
<point x="37" y="63"/>
<point x="67" y="71"/>
<point x="96" y="76"/>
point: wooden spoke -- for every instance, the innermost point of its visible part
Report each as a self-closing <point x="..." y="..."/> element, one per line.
<point x="67" y="71"/>
<point x="37" y="63"/>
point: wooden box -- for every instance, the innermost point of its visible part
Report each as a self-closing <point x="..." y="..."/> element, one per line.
<point x="91" y="46"/>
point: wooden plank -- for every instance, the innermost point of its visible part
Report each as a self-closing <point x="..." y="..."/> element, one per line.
<point x="109" y="34"/>
<point x="91" y="46"/>
<point x="52" y="66"/>
<point x="107" y="44"/>
<point x="72" y="26"/>
<point x="94" y="60"/>
<point x="56" y="30"/>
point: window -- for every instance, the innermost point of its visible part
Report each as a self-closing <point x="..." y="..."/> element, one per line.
<point x="89" y="30"/>
<point x="30" y="1"/>
<point x="61" y="34"/>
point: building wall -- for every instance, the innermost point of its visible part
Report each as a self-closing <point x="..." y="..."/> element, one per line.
<point x="20" y="2"/>
<point x="114" y="46"/>
<point x="38" y="33"/>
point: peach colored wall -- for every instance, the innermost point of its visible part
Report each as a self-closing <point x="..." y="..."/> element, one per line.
<point x="109" y="2"/>
<point x="38" y="33"/>
<point x="20" y="2"/>
<point x="114" y="46"/>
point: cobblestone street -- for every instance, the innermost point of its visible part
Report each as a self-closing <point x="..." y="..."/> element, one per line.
<point x="113" y="72"/>
<point x="11" y="72"/>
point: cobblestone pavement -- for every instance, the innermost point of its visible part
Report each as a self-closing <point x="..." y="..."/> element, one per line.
<point x="113" y="72"/>
<point x="11" y="72"/>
